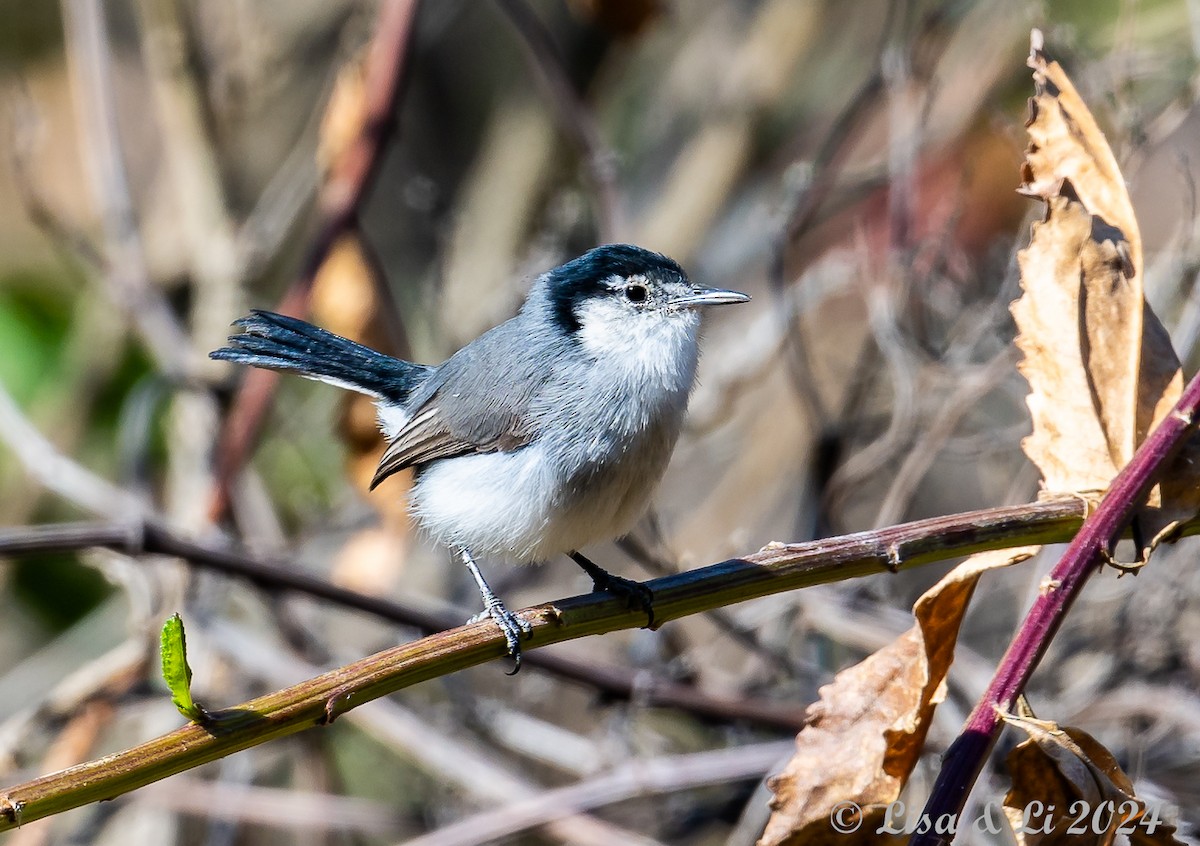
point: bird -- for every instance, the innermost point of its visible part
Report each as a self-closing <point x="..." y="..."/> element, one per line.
<point x="546" y="433"/>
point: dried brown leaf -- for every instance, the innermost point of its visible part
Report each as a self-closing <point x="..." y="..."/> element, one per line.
<point x="865" y="734"/>
<point x="346" y="113"/>
<point x="1081" y="312"/>
<point x="1067" y="788"/>
<point x="1099" y="363"/>
<point x="345" y="300"/>
<point x="1068" y="442"/>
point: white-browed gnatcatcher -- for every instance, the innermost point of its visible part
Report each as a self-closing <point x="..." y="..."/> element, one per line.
<point x="544" y="434"/>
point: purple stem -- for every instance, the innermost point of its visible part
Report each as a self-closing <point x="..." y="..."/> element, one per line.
<point x="965" y="758"/>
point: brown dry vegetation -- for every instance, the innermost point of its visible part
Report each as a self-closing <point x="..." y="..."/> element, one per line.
<point x="853" y="166"/>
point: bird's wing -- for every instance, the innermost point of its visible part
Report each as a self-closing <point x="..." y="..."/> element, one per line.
<point x="477" y="402"/>
<point x="427" y="436"/>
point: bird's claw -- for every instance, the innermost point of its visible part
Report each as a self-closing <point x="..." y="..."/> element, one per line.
<point x="511" y="626"/>
<point x="636" y="595"/>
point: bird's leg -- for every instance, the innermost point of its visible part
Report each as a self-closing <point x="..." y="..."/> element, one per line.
<point x="510" y="624"/>
<point x="635" y="594"/>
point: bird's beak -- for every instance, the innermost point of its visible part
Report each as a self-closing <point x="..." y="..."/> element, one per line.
<point x="702" y="295"/>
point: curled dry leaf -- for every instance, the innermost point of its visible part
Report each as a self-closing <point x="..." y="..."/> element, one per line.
<point x="1067" y="788"/>
<point x="1100" y="365"/>
<point x="865" y="734"/>
<point x="345" y="299"/>
<point x="345" y="293"/>
<point x="1068" y="443"/>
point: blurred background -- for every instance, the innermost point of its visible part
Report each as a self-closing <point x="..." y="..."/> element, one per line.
<point x="168" y="164"/>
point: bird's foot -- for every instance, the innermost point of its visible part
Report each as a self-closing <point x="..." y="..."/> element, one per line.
<point x="510" y="625"/>
<point x="636" y="595"/>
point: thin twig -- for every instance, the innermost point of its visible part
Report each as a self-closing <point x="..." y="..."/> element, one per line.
<point x="904" y="414"/>
<point x="775" y="569"/>
<point x="64" y="476"/>
<point x="285" y="808"/>
<point x="202" y="215"/>
<point x="28" y="135"/>
<point x="966" y="756"/>
<point x="277" y="212"/>
<point x="969" y="390"/>
<point x="808" y="197"/>
<point x="107" y="677"/>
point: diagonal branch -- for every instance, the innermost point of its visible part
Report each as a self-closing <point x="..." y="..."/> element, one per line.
<point x="965" y="758"/>
<point x="154" y="538"/>
<point x="56" y="471"/>
<point x="774" y="569"/>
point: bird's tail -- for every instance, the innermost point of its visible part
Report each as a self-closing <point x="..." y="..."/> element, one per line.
<point x="278" y="342"/>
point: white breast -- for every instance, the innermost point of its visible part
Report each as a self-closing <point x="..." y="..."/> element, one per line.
<point x="497" y="504"/>
<point x="522" y="506"/>
<point x="606" y="424"/>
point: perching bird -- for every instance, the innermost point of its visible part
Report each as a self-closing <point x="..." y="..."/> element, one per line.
<point x="543" y="435"/>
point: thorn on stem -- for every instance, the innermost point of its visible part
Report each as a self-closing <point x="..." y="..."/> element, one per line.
<point x="331" y="703"/>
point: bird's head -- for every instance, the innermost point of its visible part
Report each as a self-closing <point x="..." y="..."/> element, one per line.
<point x="618" y="294"/>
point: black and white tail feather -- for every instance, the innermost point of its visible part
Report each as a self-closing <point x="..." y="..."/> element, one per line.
<point x="278" y="342"/>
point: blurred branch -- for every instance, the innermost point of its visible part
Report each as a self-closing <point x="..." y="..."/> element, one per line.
<point x="826" y="164"/>
<point x="124" y="270"/>
<point x="285" y="808"/>
<point x="574" y="116"/>
<point x="151" y="538"/>
<point x="276" y="212"/>
<point x="106" y="677"/>
<point x="774" y="569"/>
<point x="203" y="219"/>
<point x="706" y="174"/>
<point x="338" y="201"/>
<point x="453" y="761"/>
<point x="666" y="774"/>
<point x="811" y="191"/>
<point x="193" y="169"/>
<point x="902" y="366"/>
<point x="970" y="389"/>
<point x="67" y="478"/>
<point x="27" y="134"/>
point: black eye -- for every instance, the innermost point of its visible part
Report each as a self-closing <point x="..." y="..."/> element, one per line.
<point x="636" y="293"/>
